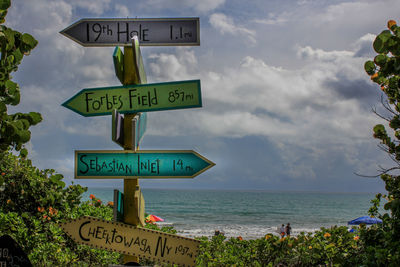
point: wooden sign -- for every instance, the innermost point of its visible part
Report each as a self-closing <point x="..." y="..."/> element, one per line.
<point x="136" y="98"/>
<point x="11" y="254"/>
<point x="138" y="61"/>
<point x="139" y="202"/>
<point x="118" y="208"/>
<point x="131" y="240"/>
<point x="125" y="164"/>
<point x="140" y="125"/>
<point x="150" y="31"/>
<point x="118" y="59"/>
<point x="117" y="128"/>
<point x="135" y="68"/>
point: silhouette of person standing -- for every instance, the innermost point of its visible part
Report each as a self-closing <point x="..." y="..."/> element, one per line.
<point x="288" y="229"/>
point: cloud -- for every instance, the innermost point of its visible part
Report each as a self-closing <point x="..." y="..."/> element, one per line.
<point x="122" y="11"/>
<point x="191" y="5"/>
<point x="206" y="5"/>
<point x="348" y="17"/>
<point x="303" y="112"/>
<point x="97" y="7"/>
<point x="363" y="46"/>
<point x="225" y="24"/>
<point x="169" y="67"/>
<point x="294" y="105"/>
<point x="274" y="19"/>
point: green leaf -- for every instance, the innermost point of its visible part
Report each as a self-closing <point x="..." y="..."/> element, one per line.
<point x="29" y="40"/>
<point x="5" y="4"/>
<point x="10" y="59"/>
<point x="369" y="67"/>
<point x="380" y="60"/>
<point x="3" y="14"/>
<point x="10" y="36"/>
<point x="15" y="98"/>
<point x="23" y="153"/>
<point x="35" y="118"/>
<point x="380" y="43"/>
<point x="57" y="177"/>
<point x="18" y="55"/>
<point x="11" y="87"/>
<point x="3" y="107"/>
<point x="379" y="128"/>
<point x="24" y="136"/>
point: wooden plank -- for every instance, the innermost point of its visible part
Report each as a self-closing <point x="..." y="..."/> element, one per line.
<point x="134" y="241"/>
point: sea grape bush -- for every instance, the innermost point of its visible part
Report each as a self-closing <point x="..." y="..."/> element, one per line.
<point x="32" y="204"/>
<point x="14" y="128"/>
<point x="383" y="243"/>
<point x="327" y="247"/>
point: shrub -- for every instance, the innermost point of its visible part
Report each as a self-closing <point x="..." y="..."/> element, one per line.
<point x="34" y="202"/>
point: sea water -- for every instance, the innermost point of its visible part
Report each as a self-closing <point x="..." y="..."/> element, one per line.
<point x="250" y="214"/>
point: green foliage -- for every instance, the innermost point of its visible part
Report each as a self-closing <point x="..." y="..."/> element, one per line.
<point x="381" y="243"/>
<point x="14" y="128"/>
<point x="32" y="204"/>
<point x="327" y="247"/>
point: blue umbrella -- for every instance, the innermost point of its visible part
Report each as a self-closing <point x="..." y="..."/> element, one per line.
<point x="365" y="220"/>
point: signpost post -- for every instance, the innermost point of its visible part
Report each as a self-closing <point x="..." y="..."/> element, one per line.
<point x="131" y="186"/>
<point x="132" y="240"/>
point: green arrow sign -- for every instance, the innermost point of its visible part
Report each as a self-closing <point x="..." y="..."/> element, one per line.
<point x="136" y="98"/>
<point x="124" y="164"/>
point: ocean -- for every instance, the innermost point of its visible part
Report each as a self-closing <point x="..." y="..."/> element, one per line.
<point x="250" y="214"/>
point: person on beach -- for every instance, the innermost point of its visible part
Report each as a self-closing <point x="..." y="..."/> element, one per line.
<point x="282" y="230"/>
<point x="288" y="229"/>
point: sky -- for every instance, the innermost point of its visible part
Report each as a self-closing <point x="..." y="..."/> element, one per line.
<point x="287" y="105"/>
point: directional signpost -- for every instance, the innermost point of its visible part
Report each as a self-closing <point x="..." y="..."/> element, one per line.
<point x="136" y="98"/>
<point x="109" y="164"/>
<point x="131" y="240"/>
<point x="151" y="31"/>
<point x="133" y="99"/>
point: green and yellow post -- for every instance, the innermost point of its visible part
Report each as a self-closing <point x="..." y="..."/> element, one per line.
<point x="133" y="73"/>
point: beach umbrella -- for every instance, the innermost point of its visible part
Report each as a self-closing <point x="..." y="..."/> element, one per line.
<point x="153" y="218"/>
<point x="365" y="220"/>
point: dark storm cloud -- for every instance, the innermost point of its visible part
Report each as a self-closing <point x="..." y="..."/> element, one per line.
<point x="366" y="92"/>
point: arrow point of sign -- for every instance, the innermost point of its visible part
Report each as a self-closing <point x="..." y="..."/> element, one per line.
<point x="207" y="161"/>
<point x="68" y="32"/>
<point x="67" y="104"/>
